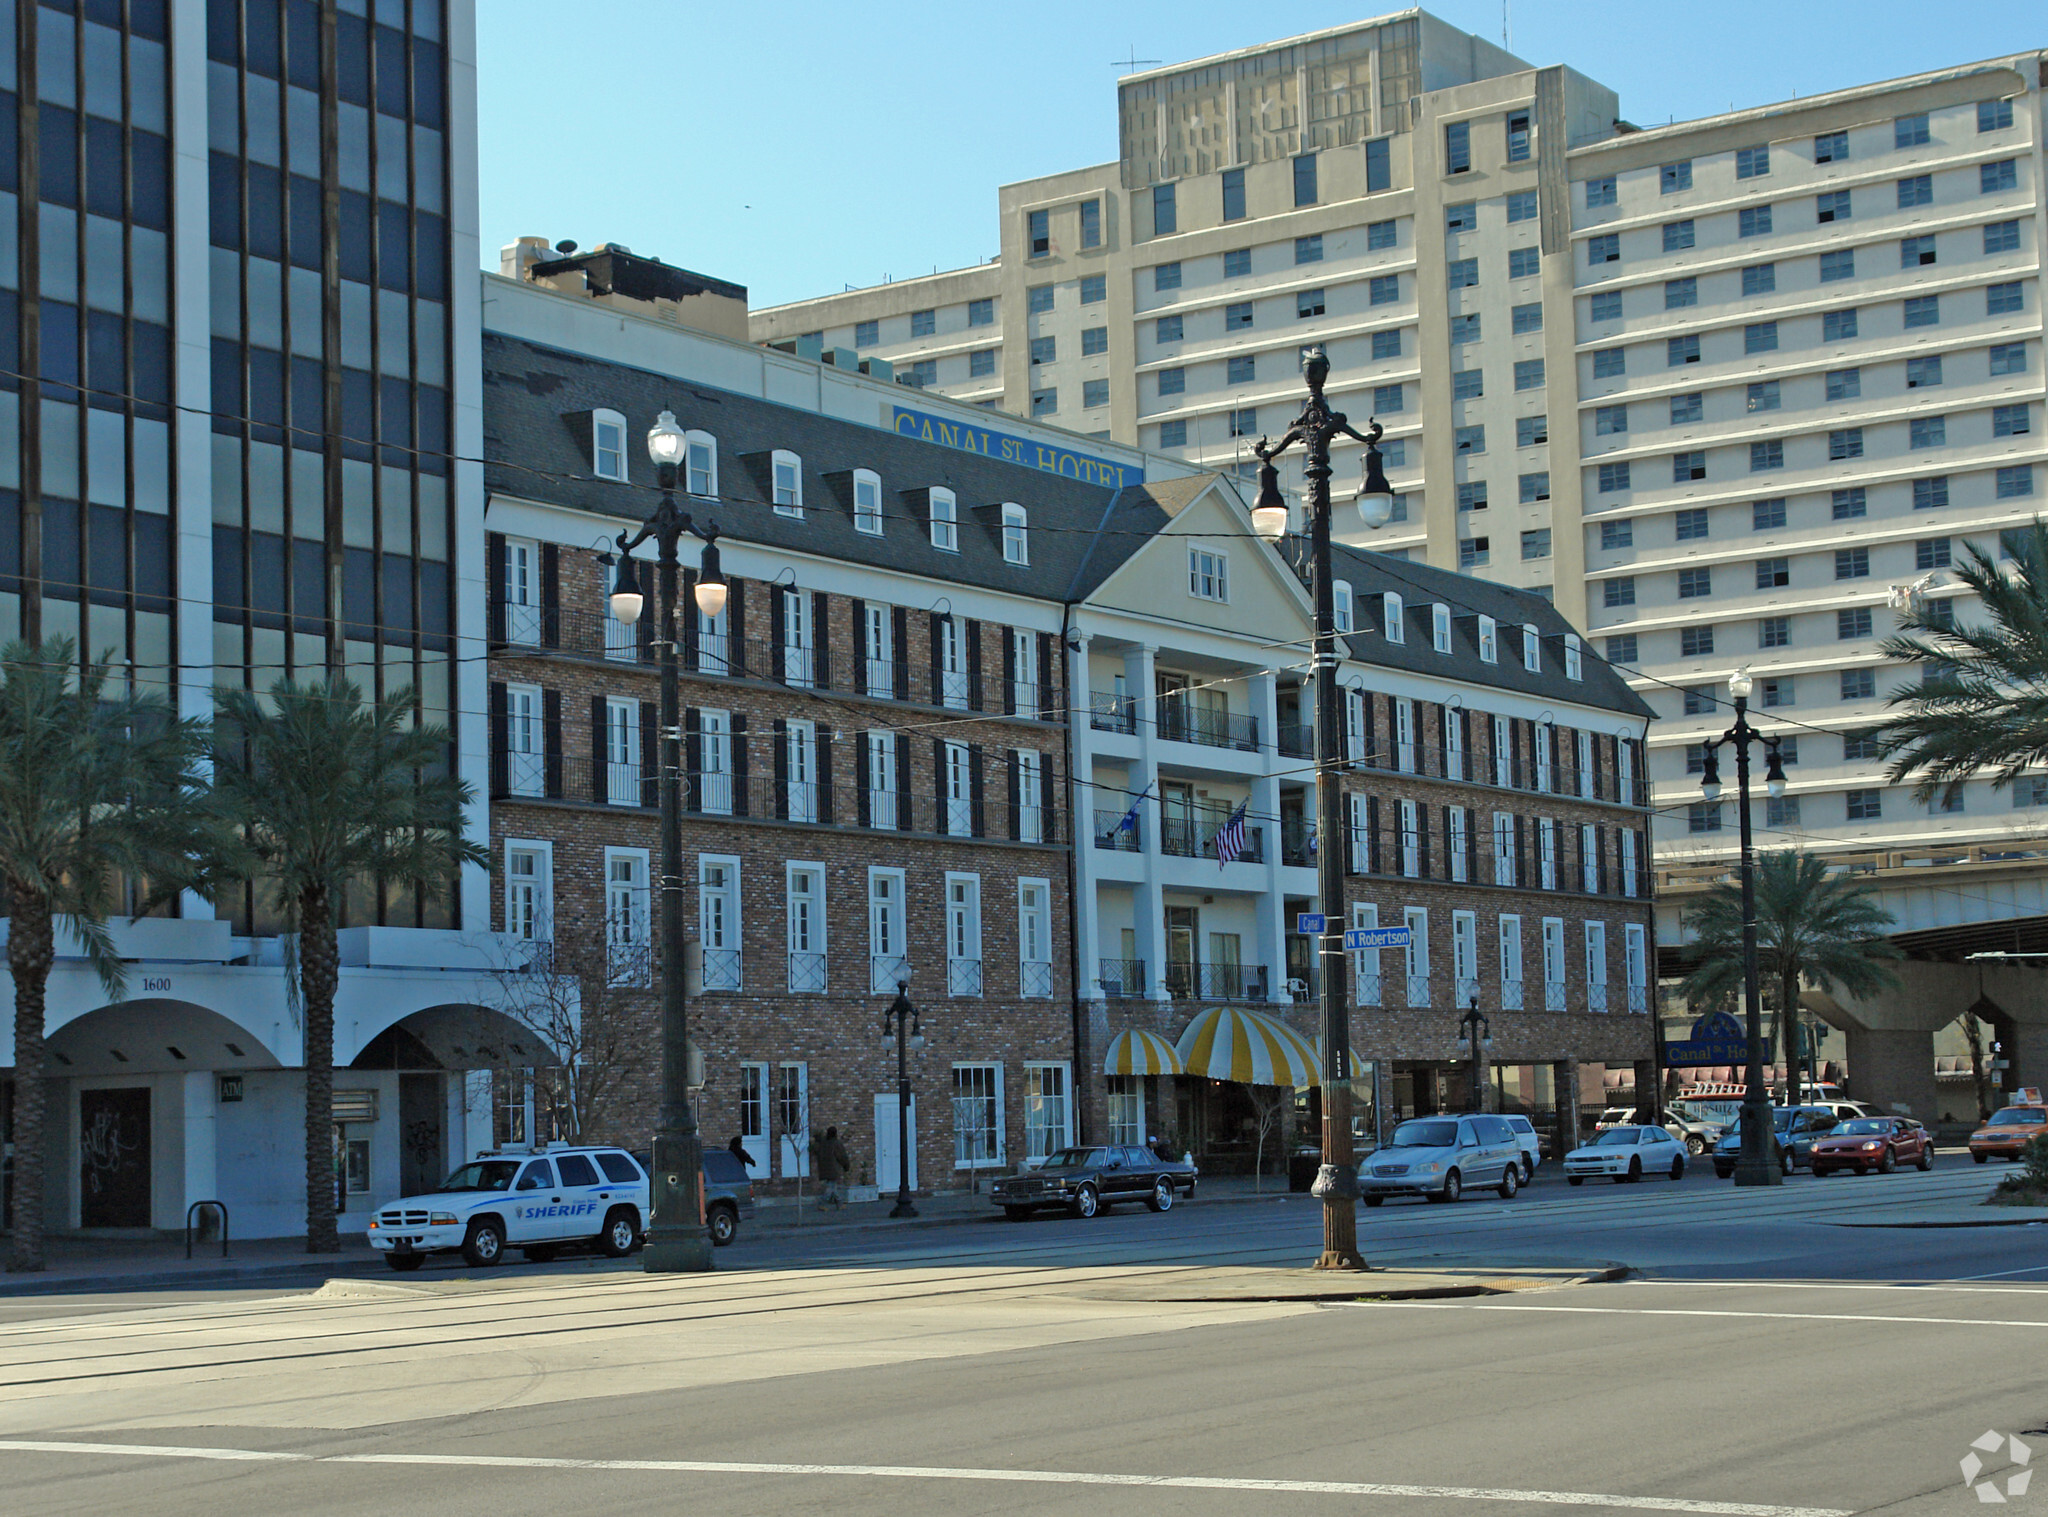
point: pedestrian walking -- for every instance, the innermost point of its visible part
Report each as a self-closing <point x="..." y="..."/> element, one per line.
<point x="738" y="1149"/>
<point x="833" y="1164"/>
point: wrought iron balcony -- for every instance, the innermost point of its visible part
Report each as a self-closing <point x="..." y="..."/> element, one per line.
<point x="963" y="977"/>
<point x="806" y="974"/>
<point x="1216" y="982"/>
<point x="1121" y="979"/>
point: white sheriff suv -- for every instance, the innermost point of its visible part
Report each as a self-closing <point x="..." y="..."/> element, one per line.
<point x="537" y="1201"/>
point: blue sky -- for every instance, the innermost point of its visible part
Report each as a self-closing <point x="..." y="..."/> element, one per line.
<point x="801" y="147"/>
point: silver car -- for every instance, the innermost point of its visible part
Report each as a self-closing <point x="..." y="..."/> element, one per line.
<point x="1442" y="1157"/>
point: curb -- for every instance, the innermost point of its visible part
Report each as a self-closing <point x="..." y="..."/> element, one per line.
<point x="51" y="1285"/>
<point x="993" y="1214"/>
<point x="1497" y="1283"/>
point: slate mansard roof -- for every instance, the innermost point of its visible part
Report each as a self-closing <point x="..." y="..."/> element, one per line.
<point x="1372" y="575"/>
<point x="537" y="442"/>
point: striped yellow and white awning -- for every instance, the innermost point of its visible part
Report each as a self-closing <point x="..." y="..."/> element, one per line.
<point x="1138" y="1052"/>
<point x="1232" y="1043"/>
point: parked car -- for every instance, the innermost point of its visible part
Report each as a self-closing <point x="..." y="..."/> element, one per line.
<point x="1880" y="1143"/>
<point x="1440" y="1157"/>
<point x="512" y="1197"/>
<point x="1624" y="1155"/>
<point x="1527" y="1140"/>
<point x="728" y="1193"/>
<point x="1846" y="1110"/>
<point x="1797" y="1129"/>
<point x="1088" y="1181"/>
<point x="2007" y="1132"/>
<point x="1615" y="1116"/>
<point x="1694" y="1133"/>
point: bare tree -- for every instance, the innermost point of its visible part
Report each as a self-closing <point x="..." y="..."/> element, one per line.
<point x="1270" y="1105"/>
<point x="792" y="1128"/>
<point x="1973" y="1032"/>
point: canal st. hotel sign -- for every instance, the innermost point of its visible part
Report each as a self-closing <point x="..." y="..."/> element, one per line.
<point x="1009" y="449"/>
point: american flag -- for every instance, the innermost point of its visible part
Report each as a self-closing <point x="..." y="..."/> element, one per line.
<point x="1230" y="836"/>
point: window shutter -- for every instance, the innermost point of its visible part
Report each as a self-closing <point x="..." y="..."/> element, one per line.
<point x="600" y="753"/>
<point x="823" y="768"/>
<point x="693" y="760"/>
<point x="821" y="639"/>
<point x="781" y="757"/>
<point x="1465" y="740"/>
<point x="942" y="794"/>
<point x="501" y="736"/>
<point x="643" y="629"/>
<point x="904" y="816"/>
<point x="977" y="766"/>
<point x="1556" y="773"/>
<point x="974" y="665"/>
<point x="862" y="780"/>
<point x="1422" y="838"/>
<point x="494" y="592"/>
<point x="688" y="635"/>
<point x="1515" y="725"/>
<point x="900" y="615"/>
<point x="1049" y="819"/>
<point x="938" y="682"/>
<point x="736" y="660"/>
<point x="1012" y="800"/>
<point x="778" y="642"/>
<point x="739" y="763"/>
<point x="551" y="740"/>
<point x="857" y="675"/>
<point x="1600" y="843"/>
<point x="1052" y="700"/>
<point x="1643" y="863"/>
<point x="1523" y="876"/>
<point x="1009" y="674"/>
<point x="550" y="596"/>
<point x="1471" y="848"/>
<point x="1372" y="834"/>
<point x="650" y="755"/>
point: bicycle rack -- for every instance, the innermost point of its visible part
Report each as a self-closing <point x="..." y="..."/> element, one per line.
<point x="219" y="1206"/>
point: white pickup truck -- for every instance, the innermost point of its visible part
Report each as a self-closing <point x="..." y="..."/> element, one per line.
<point x="539" y="1202"/>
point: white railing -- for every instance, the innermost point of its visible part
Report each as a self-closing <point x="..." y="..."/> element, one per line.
<point x="885" y="972"/>
<point x="1553" y="995"/>
<point x="1510" y="995"/>
<point x="963" y="977"/>
<point x="1639" y="998"/>
<point x="526" y="773"/>
<point x="1596" y="997"/>
<point x="1468" y="991"/>
<point x="807" y="973"/>
<point x="622" y="783"/>
<point x="1418" y="990"/>
<point x="1034" y="978"/>
<point x="1368" y="988"/>
<point x="522" y="624"/>
<point x="721" y="969"/>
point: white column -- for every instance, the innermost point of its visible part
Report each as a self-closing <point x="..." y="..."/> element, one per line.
<point x="1148" y="904"/>
<point x="202" y="1173"/>
<point x="473" y="1107"/>
<point x="1087" y="914"/>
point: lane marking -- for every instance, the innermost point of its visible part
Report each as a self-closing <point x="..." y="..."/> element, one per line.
<point x="1922" y="1287"/>
<point x="939" y="1472"/>
<point x="1675" y="1311"/>
<point x="2001" y="1274"/>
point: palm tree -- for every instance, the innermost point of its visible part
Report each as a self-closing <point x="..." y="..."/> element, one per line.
<point x="1810" y="925"/>
<point x="1982" y="699"/>
<point x="333" y="791"/>
<point x="101" y="811"/>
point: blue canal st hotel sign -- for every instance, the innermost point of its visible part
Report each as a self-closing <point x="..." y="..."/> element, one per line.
<point x="1005" y="448"/>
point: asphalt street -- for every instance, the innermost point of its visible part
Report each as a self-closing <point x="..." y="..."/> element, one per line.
<point x="1825" y="1347"/>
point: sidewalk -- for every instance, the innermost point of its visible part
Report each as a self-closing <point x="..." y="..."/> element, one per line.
<point x="155" y="1264"/>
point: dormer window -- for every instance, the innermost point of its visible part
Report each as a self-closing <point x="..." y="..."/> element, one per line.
<point x="787" y="473"/>
<point x="1532" y="649"/>
<point x="945" y="521"/>
<point x="1440" y="627"/>
<point x="608" y="445"/>
<point x="1340" y="601"/>
<point x="867" y="502"/>
<point x="1489" y="641"/>
<point x="1574" y="668"/>
<point x="1396" y="633"/>
<point x="700" y="456"/>
<point x="1016" y="550"/>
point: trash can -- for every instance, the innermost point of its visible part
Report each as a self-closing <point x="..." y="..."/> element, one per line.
<point x="1302" y="1166"/>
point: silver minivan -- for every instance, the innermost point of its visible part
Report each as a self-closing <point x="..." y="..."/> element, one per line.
<point x="1442" y="1157"/>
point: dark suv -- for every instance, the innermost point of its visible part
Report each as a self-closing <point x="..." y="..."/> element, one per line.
<point x="1795" y="1130"/>
<point x="728" y="1193"/>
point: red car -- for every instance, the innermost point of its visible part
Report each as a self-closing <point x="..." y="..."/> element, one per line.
<point x="1880" y="1143"/>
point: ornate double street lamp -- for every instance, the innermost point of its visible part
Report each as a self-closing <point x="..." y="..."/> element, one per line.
<point x="675" y="1240"/>
<point x="1758" y="1165"/>
<point x="1477" y="1034"/>
<point x="1337" y="1181"/>
<point x="901" y="1016"/>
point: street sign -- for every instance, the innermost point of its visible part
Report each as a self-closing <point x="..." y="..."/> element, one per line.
<point x="1375" y="937"/>
<point x="1717" y="1038"/>
<point x="1311" y="922"/>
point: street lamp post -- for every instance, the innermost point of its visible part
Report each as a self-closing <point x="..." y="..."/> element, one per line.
<point x="1337" y="1181"/>
<point x="675" y="1240"/>
<point x="1756" y="1166"/>
<point x="903" y="1017"/>
<point x="1477" y="1033"/>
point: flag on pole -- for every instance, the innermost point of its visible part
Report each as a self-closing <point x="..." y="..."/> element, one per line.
<point x="1130" y="818"/>
<point x="1230" y="836"/>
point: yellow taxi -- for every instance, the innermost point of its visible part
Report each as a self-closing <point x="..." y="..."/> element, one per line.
<point x="2010" y="1128"/>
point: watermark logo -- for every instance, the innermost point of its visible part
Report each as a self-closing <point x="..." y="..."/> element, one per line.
<point x="1988" y="1489"/>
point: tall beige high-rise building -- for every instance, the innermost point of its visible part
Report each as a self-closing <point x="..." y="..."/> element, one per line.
<point x="1728" y="389"/>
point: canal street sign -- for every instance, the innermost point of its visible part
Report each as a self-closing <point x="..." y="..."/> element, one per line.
<point x="1311" y="922"/>
<point x="1375" y="937"/>
<point x="1717" y="1038"/>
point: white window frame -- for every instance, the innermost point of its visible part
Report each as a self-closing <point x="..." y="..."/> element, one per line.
<point x="1553" y="964"/>
<point x="1391" y="622"/>
<point x="1440" y="627"/>
<point x="945" y="519"/>
<point x="1209" y="574"/>
<point x="1627" y="767"/>
<point x="804" y="919"/>
<point x="1454" y="743"/>
<point x="530" y="908"/>
<point x="1404" y="734"/>
<point x="1584" y="745"/>
<point x="1455" y="842"/>
<point x="1340" y="603"/>
<point x="1126" y="1104"/>
<point x="1635" y="958"/>
<point x="878" y="649"/>
<point x="526" y="771"/>
<point x="1016" y="535"/>
<point x="963" y="932"/>
<point x="786" y="483"/>
<point x="1042" y="1137"/>
<point x="996" y="1142"/>
<point x="628" y="918"/>
<point x="1504" y="848"/>
<point x="1411" y="841"/>
<point x="1034" y="936"/>
<point x="1024" y="693"/>
<point x="1354" y="725"/>
<point x="800" y="765"/>
<point x="1589" y="859"/>
<point x="1543" y="774"/>
<point x="955" y="681"/>
<point x="792" y="1138"/>
<point x="1596" y="966"/>
<point x="1489" y="641"/>
<point x="1030" y="792"/>
<point x="1628" y="862"/>
<point x="1465" y="957"/>
<point x="713" y="650"/>
<point x="1366" y="987"/>
<point x="753" y="1118"/>
<point x="714" y="762"/>
<point x="608" y="462"/>
<point x="621" y="640"/>
<point x="1355" y="840"/>
<point x="867" y="502"/>
<point x="956" y="790"/>
<point x="1546" y="853"/>
<point x="888" y="929"/>
<point x="700" y="463"/>
<point x="799" y="637"/>
<point x="1510" y="936"/>
<point x="522" y="591"/>
<point x="1574" y="663"/>
<point x="880" y="754"/>
<point x="1417" y="961"/>
<point x="718" y="918"/>
<point x="1503" y="754"/>
<point x="621" y="751"/>
<point x="1532" y="649"/>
